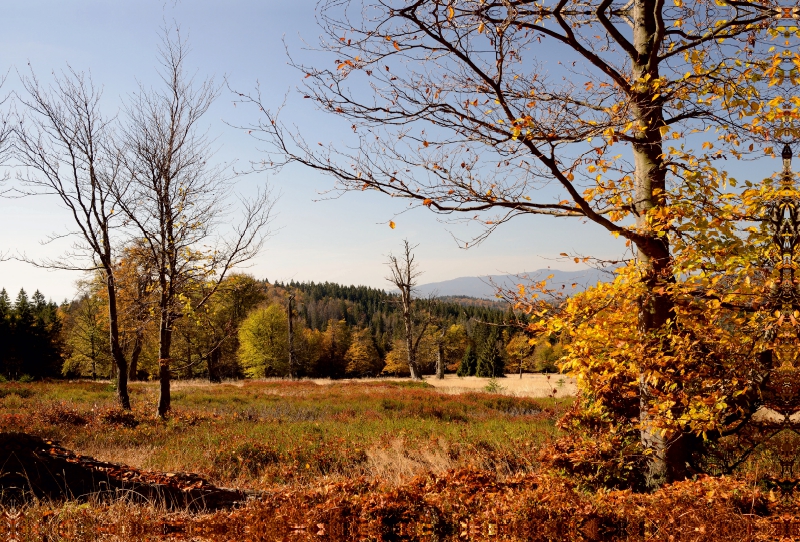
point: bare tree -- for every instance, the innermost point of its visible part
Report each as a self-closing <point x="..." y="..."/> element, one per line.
<point x="178" y="202"/>
<point x="68" y="148"/>
<point x="403" y="274"/>
<point x="6" y="144"/>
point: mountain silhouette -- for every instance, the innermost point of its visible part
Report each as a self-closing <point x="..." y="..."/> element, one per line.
<point x="484" y="286"/>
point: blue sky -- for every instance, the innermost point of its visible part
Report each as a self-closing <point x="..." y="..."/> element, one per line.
<point x="344" y="240"/>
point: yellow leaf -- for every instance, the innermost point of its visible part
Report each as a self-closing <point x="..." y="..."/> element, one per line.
<point x="396" y="46"/>
<point x="391" y="224"/>
<point x="451" y="13"/>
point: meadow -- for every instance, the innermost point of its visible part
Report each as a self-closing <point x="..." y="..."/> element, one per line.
<point x="258" y="435"/>
<point x="376" y="460"/>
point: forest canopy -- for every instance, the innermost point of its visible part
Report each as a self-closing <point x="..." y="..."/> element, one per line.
<point x="339" y="332"/>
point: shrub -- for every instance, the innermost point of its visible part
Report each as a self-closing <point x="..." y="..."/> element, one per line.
<point x="15" y="390"/>
<point x="61" y="413"/>
<point x="119" y="417"/>
<point x="246" y="458"/>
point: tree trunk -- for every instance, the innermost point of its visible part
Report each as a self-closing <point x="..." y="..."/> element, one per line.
<point x="667" y="456"/>
<point x="213" y="366"/>
<point x="412" y="352"/>
<point x="94" y="358"/>
<point x="440" y="361"/>
<point x="116" y="350"/>
<point x="292" y="370"/>
<point x="138" y="342"/>
<point x="164" y="343"/>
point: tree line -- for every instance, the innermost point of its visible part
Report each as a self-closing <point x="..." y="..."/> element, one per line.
<point x="30" y="335"/>
<point x="338" y="332"/>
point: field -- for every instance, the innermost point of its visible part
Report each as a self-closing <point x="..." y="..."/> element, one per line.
<point x="377" y="460"/>
<point x="530" y="385"/>
<point x="259" y="434"/>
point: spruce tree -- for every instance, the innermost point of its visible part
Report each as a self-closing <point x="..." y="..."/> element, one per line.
<point x="469" y="363"/>
<point x="490" y="362"/>
<point x="6" y="313"/>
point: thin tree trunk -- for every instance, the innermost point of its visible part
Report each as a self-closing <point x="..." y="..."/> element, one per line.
<point x="138" y="342"/>
<point x="213" y="366"/>
<point x="440" y="359"/>
<point x="116" y="350"/>
<point x="291" y="338"/>
<point x="164" y="344"/>
<point x="412" y="352"/>
<point x="94" y="359"/>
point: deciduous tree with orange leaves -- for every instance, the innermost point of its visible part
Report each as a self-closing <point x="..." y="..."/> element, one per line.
<point x="610" y="112"/>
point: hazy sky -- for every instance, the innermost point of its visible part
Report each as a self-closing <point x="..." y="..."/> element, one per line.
<point x="344" y="240"/>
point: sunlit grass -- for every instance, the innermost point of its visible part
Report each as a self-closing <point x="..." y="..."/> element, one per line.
<point x="258" y="434"/>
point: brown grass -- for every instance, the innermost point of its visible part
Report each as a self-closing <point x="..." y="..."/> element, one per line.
<point x="262" y="434"/>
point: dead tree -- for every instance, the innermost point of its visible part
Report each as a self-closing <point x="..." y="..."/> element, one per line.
<point x="69" y="150"/>
<point x="179" y="198"/>
<point x="403" y="274"/>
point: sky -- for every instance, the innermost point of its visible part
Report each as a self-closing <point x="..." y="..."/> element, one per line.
<point x="344" y="240"/>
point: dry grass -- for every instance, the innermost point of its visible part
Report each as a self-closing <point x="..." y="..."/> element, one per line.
<point x="263" y="434"/>
<point x="357" y="460"/>
<point x="530" y="385"/>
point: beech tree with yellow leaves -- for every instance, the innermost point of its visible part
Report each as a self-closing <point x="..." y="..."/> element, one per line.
<point x="455" y="110"/>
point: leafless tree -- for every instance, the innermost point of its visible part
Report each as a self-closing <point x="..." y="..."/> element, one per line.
<point x="178" y="197"/>
<point x="6" y="133"/>
<point x="404" y="273"/>
<point x="67" y="147"/>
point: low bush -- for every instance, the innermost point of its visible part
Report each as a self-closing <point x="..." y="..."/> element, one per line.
<point x="61" y="414"/>
<point x="117" y="416"/>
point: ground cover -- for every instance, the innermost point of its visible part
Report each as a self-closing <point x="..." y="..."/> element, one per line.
<point x="379" y="460"/>
<point x="256" y="435"/>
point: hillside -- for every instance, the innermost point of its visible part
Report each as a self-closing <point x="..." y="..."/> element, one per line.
<point x="484" y="287"/>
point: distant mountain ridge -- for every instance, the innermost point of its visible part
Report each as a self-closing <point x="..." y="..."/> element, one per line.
<point x="481" y="287"/>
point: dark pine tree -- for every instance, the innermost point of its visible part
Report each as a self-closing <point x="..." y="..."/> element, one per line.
<point x="30" y="331"/>
<point x="7" y="369"/>
<point x="490" y="362"/>
<point x="469" y="363"/>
